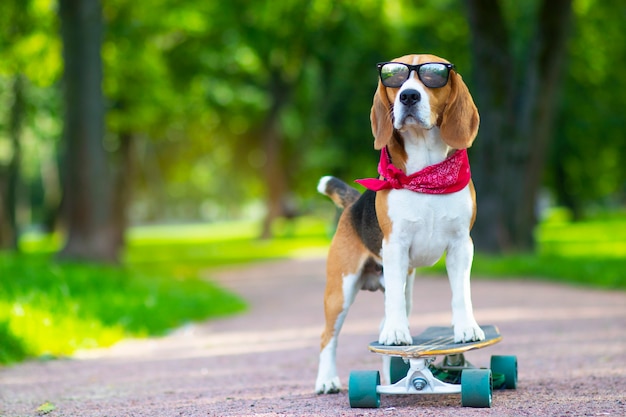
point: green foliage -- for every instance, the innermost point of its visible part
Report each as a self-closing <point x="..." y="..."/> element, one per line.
<point x="30" y="50"/>
<point x="194" y="83"/>
<point x="29" y="44"/>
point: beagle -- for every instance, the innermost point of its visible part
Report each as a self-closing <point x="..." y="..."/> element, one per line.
<point x="423" y="205"/>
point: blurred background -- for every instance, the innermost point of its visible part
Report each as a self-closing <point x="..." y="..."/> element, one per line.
<point x="193" y="133"/>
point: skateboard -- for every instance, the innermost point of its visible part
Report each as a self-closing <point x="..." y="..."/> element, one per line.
<point x="412" y="370"/>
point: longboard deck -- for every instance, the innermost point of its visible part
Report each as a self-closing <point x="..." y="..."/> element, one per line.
<point x="436" y="341"/>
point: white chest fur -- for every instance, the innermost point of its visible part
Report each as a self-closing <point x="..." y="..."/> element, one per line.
<point x="428" y="224"/>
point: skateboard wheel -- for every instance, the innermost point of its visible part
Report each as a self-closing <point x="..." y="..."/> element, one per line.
<point x="476" y="388"/>
<point x="362" y="389"/>
<point x="506" y="365"/>
<point x="398" y="369"/>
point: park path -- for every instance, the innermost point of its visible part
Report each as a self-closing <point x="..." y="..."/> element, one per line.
<point x="571" y="345"/>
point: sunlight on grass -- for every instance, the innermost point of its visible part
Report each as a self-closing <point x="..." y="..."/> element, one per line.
<point x="190" y="233"/>
<point x="53" y="309"/>
<point x="227" y="244"/>
<point x="592" y="238"/>
<point x="42" y="325"/>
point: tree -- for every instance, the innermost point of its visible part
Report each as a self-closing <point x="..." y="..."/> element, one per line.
<point x="9" y="187"/>
<point x="516" y="90"/>
<point x="585" y="169"/>
<point x="87" y="190"/>
<point x="280" y="76"/>
<point x="29" y="64"/>
<point x="302" y="62"/>
<point x="10" y="171"/>
<point x="282" y="53"/>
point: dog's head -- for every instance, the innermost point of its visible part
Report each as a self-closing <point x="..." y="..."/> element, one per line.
<point x="423" y="96"/>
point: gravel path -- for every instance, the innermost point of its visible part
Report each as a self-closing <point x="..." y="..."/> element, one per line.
<point x="570" y="342"/>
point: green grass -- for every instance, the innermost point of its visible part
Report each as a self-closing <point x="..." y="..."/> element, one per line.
<point x="599" y="272"/>
<point x="229" y="243"/>
<point x="53" y="309"/>
<point x="601" y="237"/>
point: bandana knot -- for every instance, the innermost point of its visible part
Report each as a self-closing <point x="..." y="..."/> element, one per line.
<point x="449" y="176"/>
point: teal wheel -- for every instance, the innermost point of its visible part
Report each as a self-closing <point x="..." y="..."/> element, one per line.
<point x="398" y="369"/>
<point x="362" y="389"/>
<point x="476" y="388"/>
<point x="506" y="365"/>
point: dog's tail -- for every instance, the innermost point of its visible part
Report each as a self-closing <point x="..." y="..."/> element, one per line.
<point x="341" y="193"/>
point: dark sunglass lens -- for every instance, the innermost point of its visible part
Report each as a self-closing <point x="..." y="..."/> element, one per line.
<point x="393" y="75"/>
<point x="434" y="75"/>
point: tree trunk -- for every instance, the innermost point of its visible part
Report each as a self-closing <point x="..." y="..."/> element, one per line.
<point x="123" y="186"/>
<point x="517" y="111"/>
<point x="6" y="232"/>
<point x="274" y="170"/>
<point x="87" y="199"/>
<point x="52" y="193"/>
<point x="550" y="50"/>
<point x="274" y="179"/>
<point x="10" y="184"/>
<point x="493" y="92"/>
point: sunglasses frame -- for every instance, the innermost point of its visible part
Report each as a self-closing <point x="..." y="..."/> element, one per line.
<point x="415" y="68"/>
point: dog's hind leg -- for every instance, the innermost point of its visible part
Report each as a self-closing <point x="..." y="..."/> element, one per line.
<point x="336" y="310"/>
<point x="344" y="279"/>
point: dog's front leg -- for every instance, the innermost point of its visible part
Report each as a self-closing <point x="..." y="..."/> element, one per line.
<point x="459" y="264"/>
<point x="395" y="329"/>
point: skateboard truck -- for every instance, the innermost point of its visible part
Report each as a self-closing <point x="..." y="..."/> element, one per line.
<point x="419" y="379"/>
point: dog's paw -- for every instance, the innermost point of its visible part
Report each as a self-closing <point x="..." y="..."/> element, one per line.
<point x="331" y="386"/>
<point x="395" y="335"/>
<point x="468" y="333"/>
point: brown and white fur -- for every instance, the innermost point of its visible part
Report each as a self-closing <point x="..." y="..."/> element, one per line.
<point x="395" y="230"/>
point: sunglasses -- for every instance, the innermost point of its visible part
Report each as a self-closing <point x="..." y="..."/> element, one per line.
<point x="431" y="74"/>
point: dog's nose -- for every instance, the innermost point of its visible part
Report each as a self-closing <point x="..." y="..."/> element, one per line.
<point x="410" y="97"/>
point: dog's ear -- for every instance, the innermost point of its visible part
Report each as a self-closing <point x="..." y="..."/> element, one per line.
<point x="380" y="117"/>
<point x="460" y="121"/>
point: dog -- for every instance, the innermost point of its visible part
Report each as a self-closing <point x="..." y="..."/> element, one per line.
<point x="423" y="205"/>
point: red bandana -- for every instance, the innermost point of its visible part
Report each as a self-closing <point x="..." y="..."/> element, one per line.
<point x="449" y="176"/>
